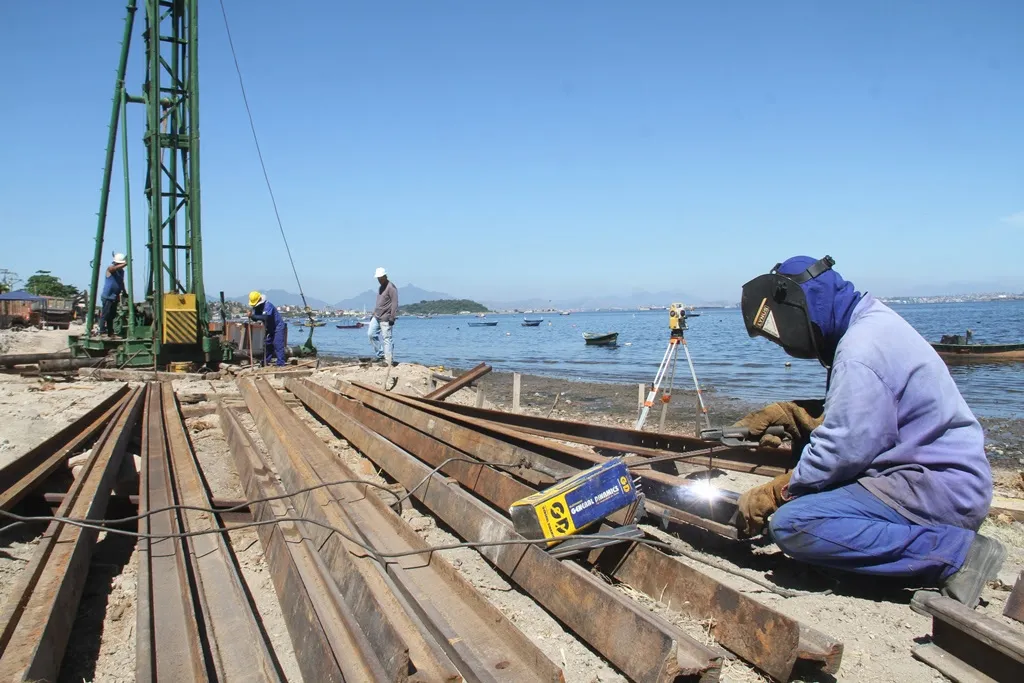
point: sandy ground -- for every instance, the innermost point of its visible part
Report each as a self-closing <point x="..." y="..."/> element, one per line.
<point x="874" y="622"/>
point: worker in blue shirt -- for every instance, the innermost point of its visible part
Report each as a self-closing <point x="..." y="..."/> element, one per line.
<point x="273" y="341"/>
<point x="113" y="287"/>
<point x="892" y="477"/>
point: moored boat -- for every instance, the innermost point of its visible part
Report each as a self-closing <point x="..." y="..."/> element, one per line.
<point x="483" y="323"/>
<point x="601" y="338"/>
<point x="963" y="348"/>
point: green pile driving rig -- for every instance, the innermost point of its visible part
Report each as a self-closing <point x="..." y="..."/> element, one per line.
<point x="171" y="324"/>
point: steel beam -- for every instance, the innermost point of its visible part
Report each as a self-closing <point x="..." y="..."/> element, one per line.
<point x="463" y="380"/>
<point x="395" y="634"/>
<point x="966" y="645"/>
<point x="238" y="645"/>
<point x="766" y="461"/>
<point x="37" y="618"/>
<point x="642" y="645"/>
<point x="760" y="635"/>
<point x="329" y="645"/>
<point x="22" y="475"/>
<point x="482" y="642"/>
<point x="168" y="627"/>
<point x="666" y="493"/>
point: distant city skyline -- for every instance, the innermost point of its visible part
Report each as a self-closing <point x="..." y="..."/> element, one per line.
<point x="537" y="150"/>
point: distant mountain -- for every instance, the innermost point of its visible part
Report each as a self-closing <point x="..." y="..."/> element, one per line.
<point x="409" y="294"/>
<point x="280" y="297"/>
<point x="632" y="300"/>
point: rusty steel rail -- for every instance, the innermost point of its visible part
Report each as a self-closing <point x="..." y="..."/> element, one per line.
<point x="37" y="618"/>
<point x="168" y="641"/>
<point x="966" y="645"/>
<point x="755" y="632"/>
<point x="643" y="646"/>
<point x="463" y="380"/>
<point x="22" y="475"/>
<point x="766" y="461"/>
<point x="394" y="632"/>
<point x="663" y="491"/>
<point x="328" y="642"/>
<point x="478" y="639"/>
<point x="236" y="642"/>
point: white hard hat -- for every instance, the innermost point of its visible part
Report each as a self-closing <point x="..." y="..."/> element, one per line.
<point x="380" y="272"/>
<point x="119" y="258"/>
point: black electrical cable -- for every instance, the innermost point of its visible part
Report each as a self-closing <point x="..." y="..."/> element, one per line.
<point x="259" y="153"/>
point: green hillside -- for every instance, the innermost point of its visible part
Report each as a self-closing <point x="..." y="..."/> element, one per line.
<point x="443" y="307"/>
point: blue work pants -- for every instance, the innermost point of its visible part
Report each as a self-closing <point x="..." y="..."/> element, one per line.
<point x="851" y="529"/>
<point x="273" y="346"/>
<point x="381" y="330"/>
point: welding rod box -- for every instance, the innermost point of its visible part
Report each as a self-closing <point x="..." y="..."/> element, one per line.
<point x="565" y="508"/>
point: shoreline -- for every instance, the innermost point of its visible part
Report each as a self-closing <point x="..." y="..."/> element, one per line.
<point x="617" y="403"/>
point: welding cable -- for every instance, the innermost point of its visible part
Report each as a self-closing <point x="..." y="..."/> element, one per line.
<point x="373" y="553"/>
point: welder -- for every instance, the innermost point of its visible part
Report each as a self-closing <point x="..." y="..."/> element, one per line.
<point x="273" y="325"/>
<point x="892" y="478"/>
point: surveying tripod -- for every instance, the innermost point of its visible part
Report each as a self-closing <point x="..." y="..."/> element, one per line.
<point x="677" y="338"/>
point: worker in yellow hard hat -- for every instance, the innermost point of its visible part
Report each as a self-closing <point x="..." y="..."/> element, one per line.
<point x="265" y="312"/>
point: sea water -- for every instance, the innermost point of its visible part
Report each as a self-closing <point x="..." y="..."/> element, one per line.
<point x="725" y="359"/>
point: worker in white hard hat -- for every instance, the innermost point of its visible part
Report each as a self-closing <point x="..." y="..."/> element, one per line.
<point x="113" y="287"/>
<point x="384" y="313"/>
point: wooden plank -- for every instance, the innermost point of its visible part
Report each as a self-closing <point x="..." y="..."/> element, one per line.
<point x="1012" y="507"/>
<point x="517" y="381"/>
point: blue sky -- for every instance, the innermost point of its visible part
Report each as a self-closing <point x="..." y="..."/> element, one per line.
<point x="519" y="149"/>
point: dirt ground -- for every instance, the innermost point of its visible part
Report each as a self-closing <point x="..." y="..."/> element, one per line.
<point x="873" y="621"/>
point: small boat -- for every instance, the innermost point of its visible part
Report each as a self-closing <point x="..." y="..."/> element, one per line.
<point x="691" y="314"/>
<point x="563" y="313"/>
<point x="354" y="326"/>
<point x="483" y="323"/>
<point x="601" y="338"/>
<point x="956" y="347"/>
<point x="532" y="322"/>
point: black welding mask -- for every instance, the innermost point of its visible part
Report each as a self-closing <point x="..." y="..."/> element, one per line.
<point x="775" y="307"/>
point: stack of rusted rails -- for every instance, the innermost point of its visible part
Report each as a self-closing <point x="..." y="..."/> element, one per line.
<point x="361" y="593"/>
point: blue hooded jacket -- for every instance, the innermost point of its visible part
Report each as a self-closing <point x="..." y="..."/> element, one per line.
<point x="271" y="319"/>
<point x="894" y="419"/>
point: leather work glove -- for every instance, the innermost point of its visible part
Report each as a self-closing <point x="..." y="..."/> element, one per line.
<point x="757" y="505"/>
<point x="798" y="418"/>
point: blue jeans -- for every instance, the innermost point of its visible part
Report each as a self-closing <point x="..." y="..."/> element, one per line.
<point x="379" y="329"/>
<point x="851" y="529"/>
<point x="107" y="316"/>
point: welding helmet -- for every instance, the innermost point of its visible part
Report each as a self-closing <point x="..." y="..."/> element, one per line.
<point x="775" y="307"/>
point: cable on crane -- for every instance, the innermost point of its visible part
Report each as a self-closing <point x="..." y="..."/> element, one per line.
<point x="266" y="177"/>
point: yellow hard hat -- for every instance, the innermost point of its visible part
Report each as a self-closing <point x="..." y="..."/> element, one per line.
<point x="255" y="298"/>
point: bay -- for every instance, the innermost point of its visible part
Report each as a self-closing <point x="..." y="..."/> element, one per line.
<point x="727" y="362"/>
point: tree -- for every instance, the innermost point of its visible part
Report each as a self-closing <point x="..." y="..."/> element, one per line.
<point x="8" y="278"/>
<point x="45" y="284"/>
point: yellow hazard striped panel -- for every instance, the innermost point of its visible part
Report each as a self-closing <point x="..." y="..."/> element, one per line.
<point x="181" y="319"/>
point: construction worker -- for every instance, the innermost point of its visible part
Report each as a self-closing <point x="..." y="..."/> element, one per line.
<point x="383" y="321"/>
<point x="892" y="478"/>
<point x="113" y="287"/>
<point x="273" y="341"/>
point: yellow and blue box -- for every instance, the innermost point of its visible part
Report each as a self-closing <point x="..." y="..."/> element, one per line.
<point x="575" y="503"/>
